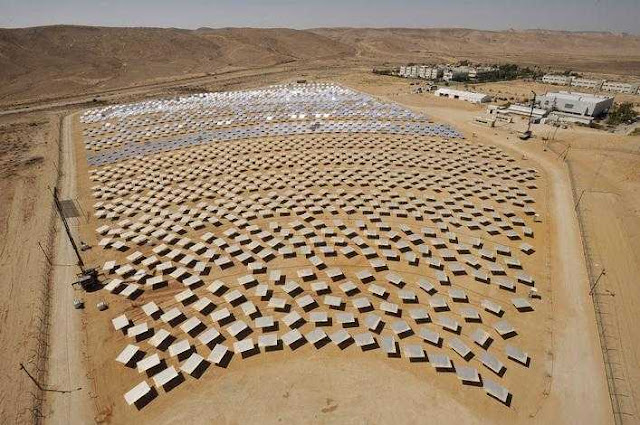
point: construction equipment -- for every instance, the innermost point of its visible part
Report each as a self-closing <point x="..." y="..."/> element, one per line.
<point x="533" y="293"/>
<point x="67" y="229"/>
<point x="88" y="279"/>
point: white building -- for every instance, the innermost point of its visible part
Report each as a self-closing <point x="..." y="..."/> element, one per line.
<point x="434" y="73"/>
<point x="620" y="87"/>
<point x="429" y="72"/>
<point x="586" y="83"/>
<point x="561" y="80"/>
<point x="409" y="71"/>
<point x="515" y="109"/>
<point x="421" y="71"/>
<point x="463" y="95"/>
<point x="581" y="104"/>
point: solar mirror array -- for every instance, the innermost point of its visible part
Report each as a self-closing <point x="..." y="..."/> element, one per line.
<point x="308" y="216"/>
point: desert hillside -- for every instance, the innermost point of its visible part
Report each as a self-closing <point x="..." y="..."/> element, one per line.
<point x="47" y="61"/>
<point x="584" y="51"/>
<point x="60" y="60"/>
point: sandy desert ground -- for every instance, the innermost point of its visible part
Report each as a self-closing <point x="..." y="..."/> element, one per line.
<point x="28" y="165"/>
<point x="600" y="169"/>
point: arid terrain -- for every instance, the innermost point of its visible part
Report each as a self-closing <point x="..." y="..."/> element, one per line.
<point x="61" y="70"/>
<point x="49" y="62"/>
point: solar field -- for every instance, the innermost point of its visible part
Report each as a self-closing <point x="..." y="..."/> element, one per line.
<point x="310" y="218"/>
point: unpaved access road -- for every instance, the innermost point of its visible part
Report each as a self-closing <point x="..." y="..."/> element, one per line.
<point x="67" y="366"/>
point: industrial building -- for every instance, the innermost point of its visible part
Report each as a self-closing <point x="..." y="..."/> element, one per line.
<point x="575" y="107"/>
<point x="524" y="110"/>
<point x="560" y="106"/>
<point x="468" y="96"/>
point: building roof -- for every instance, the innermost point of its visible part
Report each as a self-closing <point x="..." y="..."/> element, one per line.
<point x="578" y="97"/>
<point x="473" y="96"/>
<point x="526" y="110"/>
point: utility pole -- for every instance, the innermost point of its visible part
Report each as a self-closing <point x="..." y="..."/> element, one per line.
<point x="533" y="104"/>
<point x="67" y="229"/>
<point x="554" y="133"/>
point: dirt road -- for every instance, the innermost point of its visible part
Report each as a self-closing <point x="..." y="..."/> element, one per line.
<point x="66" y="370"/>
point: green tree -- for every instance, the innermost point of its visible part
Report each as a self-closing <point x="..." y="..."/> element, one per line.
<point x="622" y="112"/>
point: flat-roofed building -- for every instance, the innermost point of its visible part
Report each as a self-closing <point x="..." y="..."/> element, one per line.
<point x="619" y="87"/>
<point x="468" y="96"/>
<point x="587" y="83"/>
<point x="515" y="109"/>
<point x="582" y="104"/>
<point x="430" y="72"/>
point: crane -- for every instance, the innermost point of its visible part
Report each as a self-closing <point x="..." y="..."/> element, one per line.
<point x="88" y="277"/>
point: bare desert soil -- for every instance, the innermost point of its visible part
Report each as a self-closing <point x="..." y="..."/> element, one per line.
<point x="28" y="157"/>
<point x="538" y="48"/>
